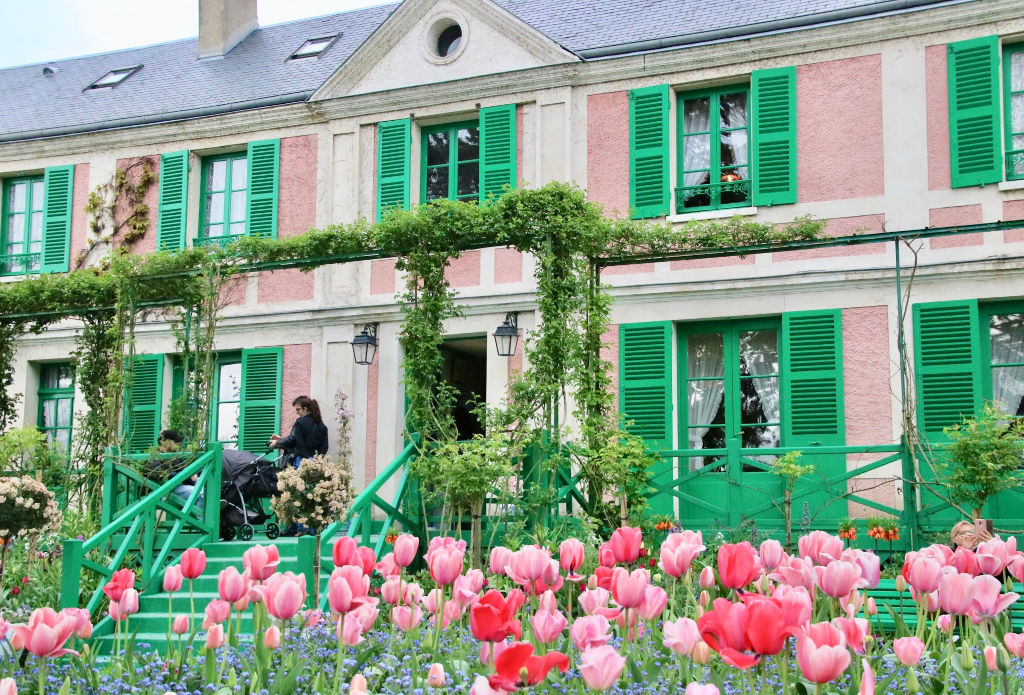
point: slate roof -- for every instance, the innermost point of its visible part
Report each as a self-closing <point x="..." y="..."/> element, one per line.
<point x="173" y="84"/>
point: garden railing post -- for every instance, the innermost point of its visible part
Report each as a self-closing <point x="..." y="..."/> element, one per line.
<point x="305" y="550"/>
<point x="734" y="474"/>
<point x="910" y="520"/>
<point x="211" y="498"/>
<point x="109" y="490"/>
<point x="71" y="571"/>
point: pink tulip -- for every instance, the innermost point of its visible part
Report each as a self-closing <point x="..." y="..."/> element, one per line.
<point x="180" y="625"/>
<point x="406" y="618"/>
<point x="991" y="658"/>
<point x="350" y="632"/>
<point x="738" y="565"/>
<point x="412" y="593"/>
<point x="678" y="552"/>
<point x="605" y="556"/>
<point x="966" y="562"/>
<point x="839" y="578"/>
<point x="347" y="588"/>
<point x="924" y="574"/>
<point x="193" y="563"/>
<point x="629" y="588"/>
<point x="45" y="633"/>
<point x="955" y="592"/>
<point x="215" y="637"/>
<point x="8" y="687"/>
<point x="232" y="585"/>
<point x="867" y="679"/>
<point x="83" y="623"/>
<point x="284" y="595"/>
<point x="217" y="611"/>
<point x="528" y="564"/>
<point x="570" y="555"/>
<point x="855" y="630"/>
<point x="499" y="560"/>
<point x="445" y="543"/>
<point x="796" y="604"/>
<point x="388" y="567"/>
<point x="1016" y="566"/>
<point x="121" y="580"/>
<point x="172" y="579"/>
<point x="702" y="689"/>
<point x="452" y="612"/>
<point x="994" y="554"/>
<point x="1015" y="643"/>
<point x="707" y="578"/>
<point x="771" y="554"/>
<point x="406" y="546"/>
<point x="944" y="622"/>
<point x="655" y="601"/>
<point x="625" y="544"/>
<point x="129" y="603"/>
<point x="358" y="685"/>
<point x="987" y="602"/>
<point x="272" y="637"/>
<point x="681" y="636"/>
<point x="445" y="565"/>
<point x="592" y="600"/>
<point x="821" y="547"/>
<point x="908" y="650"/>
<point x="870" y="606"/>
<point x="261" y="562"/>
<point x="366" y="559"/>
<point x="601" y="667"/>
<point x="548" y="625"/>
<point x="344" y="551"/>
<point x="390" y="590"/>
<point x="821" y="653"/>
<point x="870" y="566"/>
<point x="481" y="686"/>
<point x="435" y="677"/>
<point x="590" y="631"/>
<point x="486" y="657"/>
<point x="796" y="572"/>
<point x="466" y="590"/>
<point x="114" y="611"/>
<point x="432" y="601"/>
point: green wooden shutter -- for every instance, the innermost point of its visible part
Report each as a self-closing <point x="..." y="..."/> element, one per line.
<point x="773" y="119"/>
<point x="812" y="378"/>
<point x="264" y="175"/>
<point x="645" y="380"/>
<point x="947" y="365"/>
<point x="393" y="142"/>
<point x="497" y="149"/>
<point x="260" y="411"/>
<point x="975" y="147"/>
<point x="58" y="187"/>
<point x="142" y="402"/>
<point x="173" y="201"/>
<point x="648" y="151"/>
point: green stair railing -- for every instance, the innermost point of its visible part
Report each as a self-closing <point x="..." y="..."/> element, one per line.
<point x="145" y="520"/>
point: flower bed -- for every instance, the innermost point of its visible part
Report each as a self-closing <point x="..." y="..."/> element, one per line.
<point x="749" y="621"/>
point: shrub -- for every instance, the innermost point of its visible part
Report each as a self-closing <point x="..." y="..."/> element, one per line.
<point x="985" y="454"/>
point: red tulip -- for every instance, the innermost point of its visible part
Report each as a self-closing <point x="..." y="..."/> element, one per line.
<point x="406" y="546"/>
<point x="261" y="561"/>
<point x="518" y="666"/>
<point x="193" y="563"/>
<point x="625" y="544"/>
<point x="492" y="618"/>
<point x="738" y="565"/>
<point x="121" y="580"/>
<point x="601" y="667"/>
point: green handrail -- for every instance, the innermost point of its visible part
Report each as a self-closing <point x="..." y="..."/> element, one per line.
<point x="135" y="528"/>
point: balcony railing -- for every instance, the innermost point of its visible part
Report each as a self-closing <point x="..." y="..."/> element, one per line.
<point x="19" y="263"/>
<point x="715" y="192"/>
<point x="217" y="240"/>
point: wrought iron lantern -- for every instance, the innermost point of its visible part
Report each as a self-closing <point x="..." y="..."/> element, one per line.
<point x="506" y="336"/>
<point x="364" y="345"/>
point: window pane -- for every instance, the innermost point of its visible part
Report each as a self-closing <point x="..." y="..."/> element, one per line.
<point x="16" y="228"/>
<point x="36" y="231"/>
<point x="1008" y="388"/>
<point x="239" y="173"/>
<point x="734" y="148"/>
<point x="64" y="412"/>
<point x="217" y="173"/>
<point x="1017" y="71"/>
<point x="732" y="110"/>
<point x="707" y="402"/>
<point x="437" y="149"/>
<point x="227" y="421"/>
<point x="65" y="376"/>
<point x="707" y="438"/>
<point x="696" y="115"/>
<point x="16" y="197"/>
<point x="1006" y="335"/>
<point x="64" y="440"/>
<point x="37" y="195"/>
<point x="696" y="155"/>
<point x="238" y="206"/>
<point x="437" y="183"/>
<point x="759" y="400"/>
<point x="759" y="353"/>
<point x="49" y="418"/>
<point x="761" y="437"/>
<point x="469" y="144"/>
<point x="469" y="179"/>
<point x="215" y="208"/>
<point x="705" y="355"/>
<point x="238" y="229"/>
<point x="230" y="382"/>
<point x="215" y="230"/>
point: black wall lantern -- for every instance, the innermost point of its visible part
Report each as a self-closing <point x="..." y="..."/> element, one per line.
<point x="506" y="336"/>
<point x="364" y="345"/>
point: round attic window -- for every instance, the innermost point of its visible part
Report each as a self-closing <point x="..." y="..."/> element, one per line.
<point x="445" y="40"/>
<point x="448" y="41"/>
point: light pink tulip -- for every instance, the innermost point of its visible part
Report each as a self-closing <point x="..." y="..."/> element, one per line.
<point x="528" y="564"/>
<point x="435" y="677"/>
<point x="676" y="558"/>
<point x="486" y="658"/>
<point x="707" y="577"/>
<point x="944" y="622"/>
<point x="1015" y="643"/>
<point x="45" y="633"/>
<point x="821" y="547"/>
<point x="592" y="600"/>
<point x="681" y="636"/>
<point x="908" y="650"/>
<point x="867" y="679"/>
<point x="601" y="667"/>
<point x="821" y="653"/>
<point x="771" y="554"/>
<point x="284" y="595"/>
<point x="570" y="555"/>
<point x="8" y="687"/>
<point x="232" y="585"/>
<point x="482" y="687"/>
<point x="445" y="565"/>
<point x="855" y="630"/>
<point x="272" y="637"/>
<point x="629" y="588"/>
<point x="215" y="637"/>
<point x="796" y="604"/>
<point x="261" y="562"/>
<point x="466" y="590"/>
<point x="839" y="578"/>
<point x="955" y="592"/>
<point x="445" y="543"/>
<point x="391" y="590"/>
<point x="349" y="631"/>
<point x="1016" y="566"/>
<point x="702" y="689"/>
<point x="172" y="579"/>
<point x="406" y="618"/>
<point x="966" y="562"/>
<point x="129" y="602"/>
<point x="432" y="601"/>
<point x="180" y="625"/>
<point x="388" y="567"/>
<point x="500" y="559"/>
<point x="796" y="572"/>
<point x="216" y="612"/>
<point x="347" y="588"/>
<point x="925" y="573"/>
<point x="358" y="685"/>
<point x="83" y="623"/>
<point x="986" y="600"/>
<point x="590" y="631"/>
<point x="870" y="566"/>
<point x="548" y="625"/>
<point x="406" y="546"/>
<point x="991" y="658"/>
<point x="655" y="601"/>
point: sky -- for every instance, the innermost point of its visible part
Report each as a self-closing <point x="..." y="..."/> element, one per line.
<point x="42" y="30"/>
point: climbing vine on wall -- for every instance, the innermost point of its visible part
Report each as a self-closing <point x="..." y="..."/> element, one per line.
<point x="117" y="210"/>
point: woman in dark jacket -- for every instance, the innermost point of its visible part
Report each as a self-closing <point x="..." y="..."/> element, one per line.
<point x="309" y="434"/>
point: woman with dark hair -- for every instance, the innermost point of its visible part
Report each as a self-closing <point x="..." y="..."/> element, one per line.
<point x="309" y="434"/>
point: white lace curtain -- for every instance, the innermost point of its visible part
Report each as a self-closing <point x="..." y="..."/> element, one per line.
<point x="1007" y="340"/>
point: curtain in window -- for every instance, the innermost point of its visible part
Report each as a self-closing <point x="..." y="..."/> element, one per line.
<point x="759" y="352"/>
<point x="706" y="359"/>
<point x="1007" y="340"/>
<point x="697" y="148"/>
<point x="733" y="114"/>
<point x="1017" y="110"/>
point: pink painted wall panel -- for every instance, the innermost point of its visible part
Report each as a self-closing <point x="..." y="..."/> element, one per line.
<point x="841" y="226"/>
<point x="508" y="266"/>
<point x="608" y="151"/>
<point x="233" y="291"/>
<point x="1013" y="210"/>
<point x="936" y="87"/>
<point x="952" y="217"/>
<point x="382" y="276"/>
<point x="133" y="168"/>
<point x="464" y="271"/>
<point x="839" y="129"/>
<point x="296" y="213"/>
<point x="610" y="354"/>
<point x="718" y="262"/>
<point x="79" y="220"/>
<point x="866" y="366"/>
<point x="295" y="380"/>
<point x="372" y="400"/>
<point x="632" y="269"/>
<point x="515" y="360"/>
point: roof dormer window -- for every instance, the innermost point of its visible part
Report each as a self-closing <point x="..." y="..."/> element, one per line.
<point x="314" y="47"/>
<point x="114" y="77"/>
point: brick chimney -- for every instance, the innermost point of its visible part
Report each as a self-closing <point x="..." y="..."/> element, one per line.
<point x="223" y="23"/>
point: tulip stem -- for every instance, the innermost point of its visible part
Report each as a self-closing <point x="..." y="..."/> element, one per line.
<point x="42" y="676"/>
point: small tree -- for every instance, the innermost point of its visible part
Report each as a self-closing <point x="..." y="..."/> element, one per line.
<point x="26" y="508"/>
<point x="788" y="468"/>
<point x="985" y="456"/>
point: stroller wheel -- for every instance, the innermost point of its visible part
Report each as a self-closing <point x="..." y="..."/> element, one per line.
<point x="227" y="533"/>
<point x="273" y="530"/>
<point x="244" y="532"/>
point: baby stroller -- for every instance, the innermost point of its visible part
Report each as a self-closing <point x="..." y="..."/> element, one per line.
<point x="246" y="480"/>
